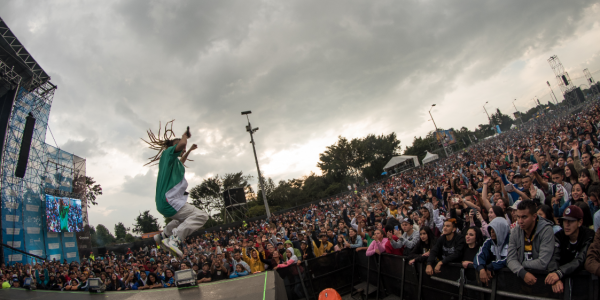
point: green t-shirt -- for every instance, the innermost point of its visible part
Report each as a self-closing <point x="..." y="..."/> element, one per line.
<point x="369" y="239"/>
<point x="170" y="173"/>
<point x="64" y="218"/>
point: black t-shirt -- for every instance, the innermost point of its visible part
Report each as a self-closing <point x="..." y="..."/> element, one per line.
<point x="218" y="275"/>
<point x="202" y="275"/>
<point x="469" y="253"/>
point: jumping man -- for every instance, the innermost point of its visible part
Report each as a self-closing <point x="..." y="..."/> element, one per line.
<point x="171" y="197"/>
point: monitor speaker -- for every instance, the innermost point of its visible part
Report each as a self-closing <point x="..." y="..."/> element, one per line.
<point x="25" y="147"/>
<point x="564" y="78"/>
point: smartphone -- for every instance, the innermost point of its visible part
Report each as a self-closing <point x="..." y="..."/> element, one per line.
<point x="396" y="227"/>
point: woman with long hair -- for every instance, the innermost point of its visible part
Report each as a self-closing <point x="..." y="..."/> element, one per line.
<point x="473" y="240"/>
<point x="571" y="174"/>
<point x="577" y="194"/>
<point x="339" y="243"/>
<point x="378" y="244"/>
<point x="421" y="251"/>
<point x="154" y="281"/>
<point x="115" y="284"/>
<point x="585" y="178"/>
<point x="354" y="239"/>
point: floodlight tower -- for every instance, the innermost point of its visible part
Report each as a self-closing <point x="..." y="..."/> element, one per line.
<point x="564" y="80"/>
<point x="251" y="130"/>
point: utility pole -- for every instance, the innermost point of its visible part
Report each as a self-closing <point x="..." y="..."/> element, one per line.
<point x="260" y="179"/>
<point x="436" y="130"/>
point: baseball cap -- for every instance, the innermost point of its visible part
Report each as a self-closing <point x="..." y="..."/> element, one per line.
<point x="407" y="220"/>
<point x="393" y="203"/>
<point x="572" y="213"/>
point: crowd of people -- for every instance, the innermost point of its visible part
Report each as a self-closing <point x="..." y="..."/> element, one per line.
<point x="525" y="200"/>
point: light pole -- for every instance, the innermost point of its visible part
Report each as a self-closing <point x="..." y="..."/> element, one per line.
<point x="488" y="115"/>
<point x="513" y="103"/>
<point x="436" y="129"/>
<point x="260" y="179"/>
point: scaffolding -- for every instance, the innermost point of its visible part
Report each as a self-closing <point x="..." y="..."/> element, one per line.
<point x="590" y="80"/>
<point x="564" y="81"/>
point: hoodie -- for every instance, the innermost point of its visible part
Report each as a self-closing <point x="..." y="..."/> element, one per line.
<point x="543" y="249"/>
<point x="492" y="254"/>
<point x="290" y="261"/>
<point x="256" y="265"/>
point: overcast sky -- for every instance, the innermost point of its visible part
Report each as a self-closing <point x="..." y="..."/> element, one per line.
<point x="309" y="71"/>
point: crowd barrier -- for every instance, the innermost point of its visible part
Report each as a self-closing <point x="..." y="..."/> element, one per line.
<point x="381" y="276"/>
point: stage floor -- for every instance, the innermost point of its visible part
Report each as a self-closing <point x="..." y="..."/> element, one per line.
<point x="258" y="286"/>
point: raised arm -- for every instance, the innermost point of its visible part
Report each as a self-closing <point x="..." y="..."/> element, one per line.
<point x="185" y="155"/>
<point x="183" y="142"/>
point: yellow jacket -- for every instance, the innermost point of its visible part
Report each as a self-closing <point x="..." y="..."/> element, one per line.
<point x="322" y="249"/>
<point x="255" y="264"/>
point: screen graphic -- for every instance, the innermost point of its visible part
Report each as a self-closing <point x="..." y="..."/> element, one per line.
<point x="63" y="214"/>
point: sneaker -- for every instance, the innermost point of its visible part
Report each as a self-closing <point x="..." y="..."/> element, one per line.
<point x="159" y="237"/>
<point x="172" y="244"/>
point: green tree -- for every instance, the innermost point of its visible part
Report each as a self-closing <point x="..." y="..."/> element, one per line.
<point x="145" y="223"/>
<point x="103" y="235"/>
<point x="420" y="145"/>
<point x="352" y="161"/>
<point x="120" y="231"/>
<point x="208" y="195"/>
<point x="93" y="237"/>
<point x="92" y="191"/>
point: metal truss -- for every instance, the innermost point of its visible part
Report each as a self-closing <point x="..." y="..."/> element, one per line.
<point x="9" y="75"/>
<point x="590" y="81"/>
<point x="564" y="80"/>
<point x="39" y="76"/>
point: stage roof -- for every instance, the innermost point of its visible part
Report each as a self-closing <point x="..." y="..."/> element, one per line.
<point x="14" y="54"/>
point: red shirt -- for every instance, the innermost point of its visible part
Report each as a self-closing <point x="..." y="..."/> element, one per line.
<point x="389" y="249"/>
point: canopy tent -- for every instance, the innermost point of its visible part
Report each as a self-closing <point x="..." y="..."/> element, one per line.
<point x="513" y="126"/>
<point x="430" y="157"/>
<point x="399" y="164"/>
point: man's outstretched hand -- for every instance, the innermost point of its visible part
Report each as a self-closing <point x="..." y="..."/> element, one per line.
<point x="194" y="147"/>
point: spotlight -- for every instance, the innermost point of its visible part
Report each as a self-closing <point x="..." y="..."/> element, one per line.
<point x="95" y="285"/>
<point x="185" y="278"/>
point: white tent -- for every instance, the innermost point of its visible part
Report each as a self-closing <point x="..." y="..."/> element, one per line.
<point x="430" y="157"/>
<point x="513" y="126"/>
<point x="402" y="163"/>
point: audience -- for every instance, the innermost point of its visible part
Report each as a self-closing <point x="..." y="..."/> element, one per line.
<point x="532" y="193"/>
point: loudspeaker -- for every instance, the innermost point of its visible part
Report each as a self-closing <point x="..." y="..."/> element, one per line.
<point x="234" y="196"/>
<point x="564" y="78"/>
<point x="25" y="146"/>
<point x="6" y="103"/>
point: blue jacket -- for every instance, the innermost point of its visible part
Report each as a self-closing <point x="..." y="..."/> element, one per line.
<point x="238" y="274"/>
<point x="491" y="249"/>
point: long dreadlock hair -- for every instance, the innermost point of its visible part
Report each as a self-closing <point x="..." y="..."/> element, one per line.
<point x="159" y="143"/>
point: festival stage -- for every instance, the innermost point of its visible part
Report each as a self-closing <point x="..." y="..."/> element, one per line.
<point x="259" y="286"/>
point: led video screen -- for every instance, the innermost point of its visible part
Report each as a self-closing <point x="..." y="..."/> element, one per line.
<point x="63" y="214"/>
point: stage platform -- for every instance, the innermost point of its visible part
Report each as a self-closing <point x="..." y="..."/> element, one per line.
<point x="258" y="286"/>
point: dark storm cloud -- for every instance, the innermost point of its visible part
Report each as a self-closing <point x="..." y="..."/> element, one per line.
<point x="302" y="67"/>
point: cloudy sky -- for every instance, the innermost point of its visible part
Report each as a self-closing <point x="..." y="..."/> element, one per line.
<point x="309" y="71"/>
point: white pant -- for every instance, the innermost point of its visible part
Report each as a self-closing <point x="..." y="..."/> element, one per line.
<point x="187" y="220"/>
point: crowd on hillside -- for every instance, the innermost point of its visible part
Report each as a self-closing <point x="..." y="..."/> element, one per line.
<point x="526" y="199"/>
